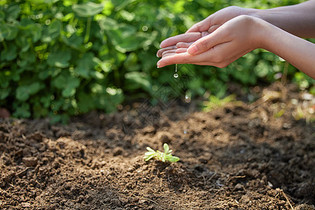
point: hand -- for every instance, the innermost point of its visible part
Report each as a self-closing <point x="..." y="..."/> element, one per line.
<point x="226" y="44"/>
<point x="188" y="37"/>
<point x="202" y="28"/>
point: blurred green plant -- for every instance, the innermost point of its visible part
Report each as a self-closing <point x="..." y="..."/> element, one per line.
<point x="214" y="102"/>
<point x="66" y="57"/>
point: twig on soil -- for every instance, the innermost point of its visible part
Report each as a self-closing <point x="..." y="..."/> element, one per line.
<point x="236" y="177"/>
<point x="206" y="181"/>
<point x="286" y="197"/>
<point x="22" y="173"/>
<point x="150" y="200"/>
<point x="215" y="173"/>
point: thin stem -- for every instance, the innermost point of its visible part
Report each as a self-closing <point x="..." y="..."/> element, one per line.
<point x="285" y="73"/>
<point x="88" y="29"/>
<point x="5" y="45"/>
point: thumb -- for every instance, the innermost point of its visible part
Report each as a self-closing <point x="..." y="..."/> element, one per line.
<point x="203" y="25"/>
<point x="202" y="45"/>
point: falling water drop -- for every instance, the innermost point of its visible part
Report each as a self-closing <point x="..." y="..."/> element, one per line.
<point x="188" y="96"/>
<point x="175" y="74"/>
<point x="187" y="99"/>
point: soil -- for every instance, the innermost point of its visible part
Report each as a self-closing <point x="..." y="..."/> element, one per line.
<point x="240" y="155"/>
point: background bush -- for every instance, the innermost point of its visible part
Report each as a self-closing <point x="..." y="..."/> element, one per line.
<point x="65" y="57"/>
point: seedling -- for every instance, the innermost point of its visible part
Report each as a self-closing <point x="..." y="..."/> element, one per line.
<point x="165" y="156"/>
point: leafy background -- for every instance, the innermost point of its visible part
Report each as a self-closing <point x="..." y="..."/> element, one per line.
<point x="66" y="57"/>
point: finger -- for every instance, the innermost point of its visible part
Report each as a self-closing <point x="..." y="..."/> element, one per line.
<point x="181" y="58"/>
<point x="160" y="51"/>
<point x="220" y="56"/>
<point x="187" y="37"/>
<point x="173" y="52"/>
<point x="183" y="44"/>
<point x="203" y="25"/>
<point x="211" y="57"/>
<point x="181" y="50"/>
<point x="168" y="52"/>
<point x="221" y="64"/>
<point x="213" y="28"/>
<point x="174" y="58"/>
<point x="206" y="43"/>
<point x="223" y="54"/>
<point x="204" y="33"/>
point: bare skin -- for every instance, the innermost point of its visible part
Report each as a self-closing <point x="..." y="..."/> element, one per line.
<point x="232" y="32"/>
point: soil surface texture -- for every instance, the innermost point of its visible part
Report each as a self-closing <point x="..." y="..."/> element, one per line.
<point x="237" y="156"/>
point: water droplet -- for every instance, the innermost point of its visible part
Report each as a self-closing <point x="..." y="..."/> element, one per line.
<point x="187" y="99"/>
<point x="188" y="96"/>
<point x="175" y="74"/>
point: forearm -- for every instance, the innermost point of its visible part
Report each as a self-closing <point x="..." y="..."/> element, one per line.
<point x="296" y="19"/>
<point x="299" y="52"/>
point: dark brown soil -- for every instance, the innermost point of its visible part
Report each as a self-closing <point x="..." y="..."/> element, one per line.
<point x="243" y="156"/>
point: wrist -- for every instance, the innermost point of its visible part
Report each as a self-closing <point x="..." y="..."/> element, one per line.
<point x="260" y="30"/>
<point x="257" y="13"/>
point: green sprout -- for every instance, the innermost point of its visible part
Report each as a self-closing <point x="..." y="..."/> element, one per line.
<point x="161" y="156"/>
<point x="215" y="102"/>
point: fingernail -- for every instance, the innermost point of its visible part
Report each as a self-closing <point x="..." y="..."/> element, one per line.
<point x="192" y="50"/>
<point x="158" y="65"/>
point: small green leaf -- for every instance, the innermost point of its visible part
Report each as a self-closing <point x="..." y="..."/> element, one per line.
<point x="88" y="9"/>
<point x="4" y="92"/>
<point x="52" y="31"/>
<point x="85" y="102"/>
<point x="8" y="31"/>
<point x="23" y="42"/>
<point x="13" y="12"/>
<point x="22" y="111"/>
<point x="68" y="83"/>
<point x="25" y="91"/>
<point x="85" y="65"/>
<point x="150" y="149"/>
<point x="59" y="58"/>
<point x="104" y="65"/>
<point x="2" y="15"/>
<point x="73" y="41"/>
<point x="9" y="53"/>
<point x="173" y="159"/>
<point x="148" y="157"/>
<point x="125" y="38"/>
<point x="36" y="32"/>
<point x="136" y="80"/>
<point x="26" y="58"/>
<point x="166" y="148"/>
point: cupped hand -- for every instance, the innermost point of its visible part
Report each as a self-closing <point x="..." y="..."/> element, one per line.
<point x="226" y="44"/>
<point x="189" y="39"/>
<point x="214" y="21"/>
<point x="202" y="28"/>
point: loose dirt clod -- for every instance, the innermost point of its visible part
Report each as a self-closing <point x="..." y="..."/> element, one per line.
<point x="30" y="161"/>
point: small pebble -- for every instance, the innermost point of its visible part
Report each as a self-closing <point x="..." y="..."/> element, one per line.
<point x="30" y="161"/>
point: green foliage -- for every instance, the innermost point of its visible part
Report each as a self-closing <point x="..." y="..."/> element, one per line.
<point x="165" y="156"/>
<point x="214" y="102"/>
<point x="65" y="57"/>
